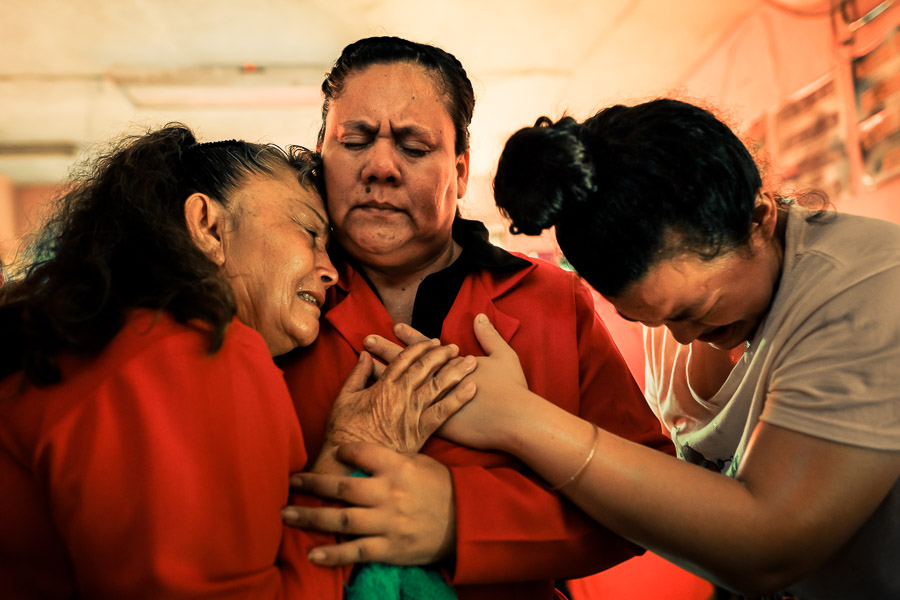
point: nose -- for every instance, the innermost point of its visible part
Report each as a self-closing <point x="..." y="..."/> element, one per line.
<point x="326" y="269"/>
<point x="684" y="332"/>
<point x="381" y="163"/>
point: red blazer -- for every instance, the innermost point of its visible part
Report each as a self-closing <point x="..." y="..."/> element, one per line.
<point x="155" y="471"/>
<point x="514" y="536"/>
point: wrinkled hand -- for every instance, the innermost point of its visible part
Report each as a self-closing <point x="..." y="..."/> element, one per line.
<point x="404" y="513"/>
<point x="420" y="388"/>
<point x="500" y="385"/>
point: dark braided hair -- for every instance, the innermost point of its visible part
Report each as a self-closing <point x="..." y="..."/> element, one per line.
<point x="117" y="240"/>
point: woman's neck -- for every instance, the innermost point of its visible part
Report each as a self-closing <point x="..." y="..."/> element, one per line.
<point x="397" y="286"/>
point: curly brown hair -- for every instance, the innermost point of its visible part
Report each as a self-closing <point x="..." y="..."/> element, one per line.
<point x="117" y="240"/>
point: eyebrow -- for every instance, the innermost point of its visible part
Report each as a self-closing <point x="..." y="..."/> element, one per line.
<point x="322" y="219"/>
<point x="323" y="222"/>
<point x="412" y="131"/>
<point x="359" y="125"/>
<point x="682" y="315"/>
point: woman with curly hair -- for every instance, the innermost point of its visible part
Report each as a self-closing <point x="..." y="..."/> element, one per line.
<point x="146" y="436"/>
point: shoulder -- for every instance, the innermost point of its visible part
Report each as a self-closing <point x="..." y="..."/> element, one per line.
<point x="844" y="241"/>
<point x="154" y="351"/>
<point x="153" y="362"/>
<point x="535" y="272"/>
<point x="149" y="335"/>
<point x="834" y="255"/>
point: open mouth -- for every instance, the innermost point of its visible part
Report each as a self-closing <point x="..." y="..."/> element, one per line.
<point x="307" y="297"/>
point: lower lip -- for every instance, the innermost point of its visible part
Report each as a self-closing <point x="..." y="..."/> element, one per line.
<point x="379" y="210"/>
<point x="307" y="302"/>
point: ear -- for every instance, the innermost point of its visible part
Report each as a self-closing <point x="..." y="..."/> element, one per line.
<point x="765" y="215"/>
<point x="462" y="174"/>
<point x="206" y="221"/>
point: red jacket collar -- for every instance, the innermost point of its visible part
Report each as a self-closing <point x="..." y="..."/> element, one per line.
<point x="357" y="311"/>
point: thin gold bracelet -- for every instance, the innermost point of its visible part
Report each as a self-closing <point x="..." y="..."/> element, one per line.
<point x="584" y="465"/>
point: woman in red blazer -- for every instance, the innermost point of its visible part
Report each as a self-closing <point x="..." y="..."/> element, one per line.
<point x="146" y="436"/>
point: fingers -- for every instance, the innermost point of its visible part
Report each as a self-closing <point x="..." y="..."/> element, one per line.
<point x="408" y="334"/>
<point x="360" y="374"/>
<point x="420" y="361"/>
<point x="436" y="414"/>
<point x="367" y="549"/>
<point x="490" y="339"/>
<point x="384" y="348"/>
<point x="345" y="520"/>
<point x="360" y="491"/>
<point x="447" y="378"/>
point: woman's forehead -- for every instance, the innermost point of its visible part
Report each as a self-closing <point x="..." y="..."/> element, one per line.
<point x="391" y="86"/>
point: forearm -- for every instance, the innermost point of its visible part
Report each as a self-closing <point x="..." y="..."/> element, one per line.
<point x="511" y="527"/>
<point x="704" y="521"/>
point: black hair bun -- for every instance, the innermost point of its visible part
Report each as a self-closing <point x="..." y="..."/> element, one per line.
<point x="542" y="170"/>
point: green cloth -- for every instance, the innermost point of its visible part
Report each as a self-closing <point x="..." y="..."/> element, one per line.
<point x="380" y="581"/>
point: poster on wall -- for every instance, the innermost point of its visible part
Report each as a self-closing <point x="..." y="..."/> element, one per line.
<point x="811" y="142"/>
<point x="876" y="85"/>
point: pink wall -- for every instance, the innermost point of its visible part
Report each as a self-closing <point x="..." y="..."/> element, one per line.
<point x="20" y="212"/>
<point x="775" y="54"/>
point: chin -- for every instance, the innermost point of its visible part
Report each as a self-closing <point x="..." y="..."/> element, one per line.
<point x="306" y="336"/>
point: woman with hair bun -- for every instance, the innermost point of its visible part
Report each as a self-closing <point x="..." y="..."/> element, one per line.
<point x="772" y="350"/>
<point x="146" y="435"/>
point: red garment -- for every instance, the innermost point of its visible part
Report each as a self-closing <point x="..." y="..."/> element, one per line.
<point x="156" y="471"/>
<point x="511" y="530"/>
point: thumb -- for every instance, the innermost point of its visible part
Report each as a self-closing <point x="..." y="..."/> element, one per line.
<point x="490" y="339"/>
<point x="360" y="374"/>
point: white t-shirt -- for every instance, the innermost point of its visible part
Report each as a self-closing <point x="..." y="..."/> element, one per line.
<point x="825" y="361"/>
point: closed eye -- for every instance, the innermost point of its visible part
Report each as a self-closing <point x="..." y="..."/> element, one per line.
<point x="415" y="152"/>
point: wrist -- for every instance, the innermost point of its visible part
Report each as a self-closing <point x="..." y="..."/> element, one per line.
<point x="555" y="443"/>
<point x="534" y="419"/>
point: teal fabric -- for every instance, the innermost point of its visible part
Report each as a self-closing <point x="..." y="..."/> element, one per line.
<point x="380" y="581"/>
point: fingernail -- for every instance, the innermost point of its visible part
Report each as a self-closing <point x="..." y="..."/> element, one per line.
<point x="289" y="513"/>
<point x="471" y="362"/>
<point x="316" y="555"/>
<point x="436" y="341"/>
<point x="296" y="481"/>
<point x="369" y="341"/>
<point x="481" y="318"/>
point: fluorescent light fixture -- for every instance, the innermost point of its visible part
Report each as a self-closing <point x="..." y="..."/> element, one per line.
<point x="221" y="86"/>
